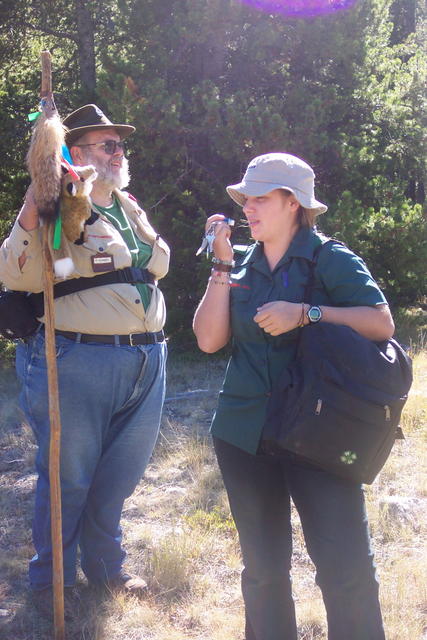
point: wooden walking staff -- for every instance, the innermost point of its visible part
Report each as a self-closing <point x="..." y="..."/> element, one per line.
<point x="44" y="163"/>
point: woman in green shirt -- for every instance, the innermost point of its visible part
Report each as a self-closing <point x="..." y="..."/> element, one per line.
<point x="258" y="302"/>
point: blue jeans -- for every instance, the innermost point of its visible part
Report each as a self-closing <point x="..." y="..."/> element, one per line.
<point x="111" y="399"/>
<point x="333" y="519"/>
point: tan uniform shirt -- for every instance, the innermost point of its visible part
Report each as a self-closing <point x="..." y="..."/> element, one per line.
<point x="110" y="309"/>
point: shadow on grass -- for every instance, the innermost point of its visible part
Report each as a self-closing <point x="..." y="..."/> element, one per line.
<point x="24" y="623"/>
<point x="18" y="618"/>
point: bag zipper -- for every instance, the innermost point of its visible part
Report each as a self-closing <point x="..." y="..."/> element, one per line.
<point x="319" y="403"/>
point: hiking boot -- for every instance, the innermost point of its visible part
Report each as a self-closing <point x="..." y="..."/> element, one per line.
<point x="124" y="581"/>
<point x="43" y="602"/>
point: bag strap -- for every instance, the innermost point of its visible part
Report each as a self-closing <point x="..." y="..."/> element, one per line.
<point x="128" y="275"/>
<point x="308" y="291"/>
<point x="309" y="286"/>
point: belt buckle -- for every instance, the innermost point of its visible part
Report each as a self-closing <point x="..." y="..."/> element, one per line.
<point x="131" y="340"/>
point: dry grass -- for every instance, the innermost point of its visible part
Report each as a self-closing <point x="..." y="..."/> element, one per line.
<point x="179" y="534"/>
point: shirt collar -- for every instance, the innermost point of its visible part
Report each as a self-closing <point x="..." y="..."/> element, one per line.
<point x="303" y="245"/>
<point x="253" y="253"/>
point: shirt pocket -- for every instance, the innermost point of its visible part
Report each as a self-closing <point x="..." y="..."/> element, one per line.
<point x="240" y="289"/>
<point x="243" y="308"/>
<point x="101" y="237"/>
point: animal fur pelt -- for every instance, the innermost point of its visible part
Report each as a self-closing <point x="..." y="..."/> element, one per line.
<point x="44" y="159"/>
<point x="75" y="205"/>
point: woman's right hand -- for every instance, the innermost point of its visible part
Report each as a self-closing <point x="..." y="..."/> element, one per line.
<point x="221" y="245"/>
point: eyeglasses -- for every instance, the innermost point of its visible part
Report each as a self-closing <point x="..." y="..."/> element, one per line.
<point x="110" y="146"/>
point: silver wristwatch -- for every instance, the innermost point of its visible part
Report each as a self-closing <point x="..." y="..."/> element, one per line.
<point x="314" y="314"/>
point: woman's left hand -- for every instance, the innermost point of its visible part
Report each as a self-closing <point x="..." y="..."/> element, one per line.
<point x="278" y="317"/>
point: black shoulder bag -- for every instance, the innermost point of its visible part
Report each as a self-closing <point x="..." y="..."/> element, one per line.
<point x="338" y="405"/>
<point x="17" y="318"/>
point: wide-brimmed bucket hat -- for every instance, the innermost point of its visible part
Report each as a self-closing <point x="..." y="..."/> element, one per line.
<point x="278" y="171"/>
<point x="91" y="118"/>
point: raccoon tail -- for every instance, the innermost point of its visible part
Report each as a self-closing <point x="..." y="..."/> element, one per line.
<point x="44" y="163"/>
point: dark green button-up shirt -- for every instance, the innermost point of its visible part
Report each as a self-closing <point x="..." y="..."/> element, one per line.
<point x="341" y="280"/>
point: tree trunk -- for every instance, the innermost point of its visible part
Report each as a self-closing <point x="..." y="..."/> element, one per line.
<point x="86" y="47"/>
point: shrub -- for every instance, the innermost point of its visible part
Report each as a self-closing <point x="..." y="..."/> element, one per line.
<point x="392" y="240"/>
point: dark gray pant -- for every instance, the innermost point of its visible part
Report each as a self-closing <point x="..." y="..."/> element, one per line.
<point x="333" y="518"/>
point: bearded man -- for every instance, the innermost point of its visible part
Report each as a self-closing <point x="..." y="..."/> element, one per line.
<point x="111" y="355"/>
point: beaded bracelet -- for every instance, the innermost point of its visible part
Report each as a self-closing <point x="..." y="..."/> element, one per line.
<point x="219" y="275"/>
<point x="219" y="261"/>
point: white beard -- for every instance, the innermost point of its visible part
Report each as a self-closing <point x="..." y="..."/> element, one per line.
<point x="107" y="177"/>
<point x="112" y="180"/>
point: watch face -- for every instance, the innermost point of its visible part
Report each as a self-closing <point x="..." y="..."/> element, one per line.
<point x="314" y="314"/>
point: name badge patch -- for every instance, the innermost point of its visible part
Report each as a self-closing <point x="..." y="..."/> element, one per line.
<point x="102" y="262"/>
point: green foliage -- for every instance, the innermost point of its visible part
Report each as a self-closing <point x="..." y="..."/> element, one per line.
<point x="7" y="352"/>
<point x="411" y="327"/>
<point x="211" y="521"/>
<point x="392" y="240"/>
<point x="211" y="84"/>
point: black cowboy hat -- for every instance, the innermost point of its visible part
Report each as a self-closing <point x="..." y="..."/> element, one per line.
<point x="91" y="118"/>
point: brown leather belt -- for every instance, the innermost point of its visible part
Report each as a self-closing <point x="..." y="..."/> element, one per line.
<point x="131" y="339"/>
